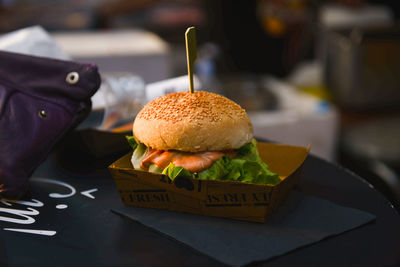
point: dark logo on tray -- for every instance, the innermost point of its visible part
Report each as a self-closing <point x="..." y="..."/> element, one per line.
<point x="238" y="199"/>
<point x="182" y="182"/>
<point x="128" y="173"/>
<point x="148" y="196"/>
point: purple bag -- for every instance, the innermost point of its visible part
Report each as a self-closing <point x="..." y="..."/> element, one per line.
<point x="40" y="100"/>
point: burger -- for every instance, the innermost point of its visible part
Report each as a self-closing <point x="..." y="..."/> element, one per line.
<point x="198" y="135"/>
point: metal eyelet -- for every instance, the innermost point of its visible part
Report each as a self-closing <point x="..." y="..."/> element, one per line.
<point x="72" y="77"/>
<point x="42" y="114"/>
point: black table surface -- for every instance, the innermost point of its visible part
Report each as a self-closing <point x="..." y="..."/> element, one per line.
<point x="87" y="233"/>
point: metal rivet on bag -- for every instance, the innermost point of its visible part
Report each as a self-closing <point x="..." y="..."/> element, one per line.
<point x="42" y="114"/>
<point x="72" y="77"/>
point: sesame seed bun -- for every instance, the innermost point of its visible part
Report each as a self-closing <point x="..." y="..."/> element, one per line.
<point x="193" y="122"/>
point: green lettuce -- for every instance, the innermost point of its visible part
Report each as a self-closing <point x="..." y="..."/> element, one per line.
<point x="138" y="155"/>
<point x="155" y="168"/>
<point x="217" y="171"/>
<point x="131" y="141"/>
<point x="139" y="150"/>
<point x="252" y="168"/>
<point x="247" y="166"/>
<point x="173" y="172"/>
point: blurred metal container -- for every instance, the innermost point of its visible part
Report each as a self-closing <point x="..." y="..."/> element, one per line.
<point x="362" y="67"/>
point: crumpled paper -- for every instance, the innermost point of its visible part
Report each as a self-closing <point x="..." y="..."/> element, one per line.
<point x="34" y="41"/>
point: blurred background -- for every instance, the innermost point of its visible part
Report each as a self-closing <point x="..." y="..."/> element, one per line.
<point x="325" y="73"/>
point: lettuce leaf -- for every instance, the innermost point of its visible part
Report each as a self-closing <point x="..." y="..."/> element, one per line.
<point x="154" y="168"/>
<point x="173" y="172"/>
<point x="236" y="169"/>
<point x="217" y="171"/>
<point x="249" y="151"/>
<point x="247" y="166"/>
<point x="138" y="155"/>
<point x="132" y="141"/>
<point x="251" y="167"/>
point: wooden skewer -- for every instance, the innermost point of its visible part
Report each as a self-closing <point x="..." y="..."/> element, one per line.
<point x="191" y="54"/>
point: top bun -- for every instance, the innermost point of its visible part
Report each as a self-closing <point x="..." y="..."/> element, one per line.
<point x="193" y="122"/>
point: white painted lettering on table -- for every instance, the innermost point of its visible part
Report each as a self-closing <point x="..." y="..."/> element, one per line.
<point x="27" y="215"/>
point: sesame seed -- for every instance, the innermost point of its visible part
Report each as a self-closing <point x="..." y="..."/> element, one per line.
<point x="200" y="105"/>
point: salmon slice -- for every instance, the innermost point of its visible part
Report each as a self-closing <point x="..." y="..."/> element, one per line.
<point x="164" y="159"/>
<point x="148" y="159"/>
<point x="196" y="162"/>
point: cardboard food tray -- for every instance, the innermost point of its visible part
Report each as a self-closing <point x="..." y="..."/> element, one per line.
<point x="235" y="200"/>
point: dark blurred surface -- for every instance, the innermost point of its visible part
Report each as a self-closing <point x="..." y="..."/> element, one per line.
<point x="372" y="149"/>
<point x="88" y="150"/>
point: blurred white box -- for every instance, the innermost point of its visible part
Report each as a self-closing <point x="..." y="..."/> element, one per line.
<point x="135" y="51"/>
<point x="300" y="120"/>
